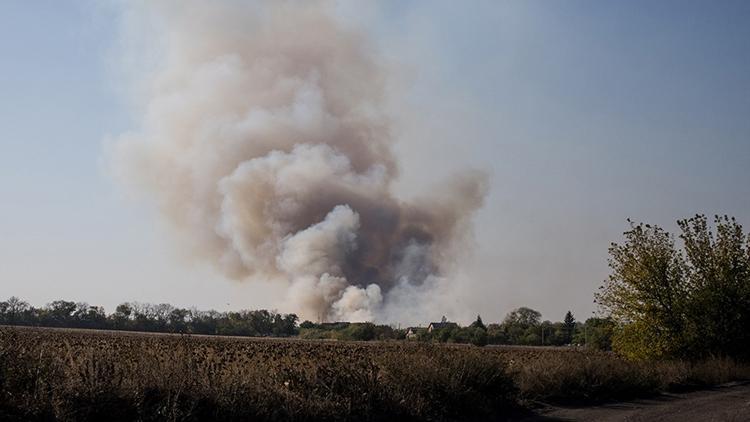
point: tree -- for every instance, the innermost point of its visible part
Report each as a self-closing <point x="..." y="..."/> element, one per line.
<point x="496" y="334"/>
<point x="307" y="325"/>
<point x="478" y="336"/>
<point x="645" y="293"/>
<point x="120" y="320"/>
<point x="60" y="313"/>
<point x="690" y="302"/>
<point x="90" y="316"/>
<point x="13" y="310"/>
<point x="364" y="331"/>
<point x="552" y="333"/>
<point x="595" y="333"/>
<point x="285" y="325"/>
<point x="478" y="323"/>
<point x="718" y="279"/>
<point x="521" y="326"/>
<point x="523" y="316"/>
<point x="569" y="325"/>
<point x="124" y="310"/>
<point x="177" y="320"/>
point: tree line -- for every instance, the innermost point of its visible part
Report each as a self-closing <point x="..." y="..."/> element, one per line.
<point x="135" y="316"/>
<point x="522" y="326"/>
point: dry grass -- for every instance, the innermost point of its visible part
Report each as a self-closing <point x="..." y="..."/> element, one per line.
<point x="89" y="376"/>
<point x="75" y="375"/>
<point x="577" y="376"/>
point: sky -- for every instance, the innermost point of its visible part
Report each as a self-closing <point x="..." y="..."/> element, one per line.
<point x="584" y="113"/>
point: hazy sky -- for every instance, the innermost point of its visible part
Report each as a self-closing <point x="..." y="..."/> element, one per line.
<point x="584" y="113"/>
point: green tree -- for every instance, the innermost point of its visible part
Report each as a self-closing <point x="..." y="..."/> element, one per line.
<point x="718" y="278"/>
<point x="690" y="302"/>
<point x="478" y="336"/>
<point x="521" y="326"/>
<point x="496" y="334"/>
<point x="599" y="333"/>
<point x="358" y="331"/>
<point x="478" y="323"/>
<point x="569" y="325"/>
<point x="645" y="293"/>
<point x="523" y="316"/>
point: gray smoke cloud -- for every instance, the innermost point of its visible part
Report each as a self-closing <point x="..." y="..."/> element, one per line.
<point x="266" y="141"/>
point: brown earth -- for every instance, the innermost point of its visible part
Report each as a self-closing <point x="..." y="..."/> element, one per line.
<point x="726" y="403"/>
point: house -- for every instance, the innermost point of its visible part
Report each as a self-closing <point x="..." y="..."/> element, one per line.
<point x="412" y="332"/>
<point x="441" y="325"/>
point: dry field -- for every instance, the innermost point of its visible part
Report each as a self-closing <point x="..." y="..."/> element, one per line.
<point x="52" y="374"/>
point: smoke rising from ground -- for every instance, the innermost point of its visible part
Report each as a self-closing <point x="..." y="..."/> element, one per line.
<point x="265" y="140"/>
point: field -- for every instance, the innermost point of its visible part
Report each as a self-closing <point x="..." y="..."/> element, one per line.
<point x="89" y="375"/>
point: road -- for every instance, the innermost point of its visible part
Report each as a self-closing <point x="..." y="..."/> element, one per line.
<point x="727" y="403"/>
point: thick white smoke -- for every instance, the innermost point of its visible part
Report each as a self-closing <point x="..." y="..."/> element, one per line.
<point x="265" y="141"/>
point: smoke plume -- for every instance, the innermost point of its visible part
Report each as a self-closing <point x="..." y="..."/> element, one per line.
<point x="265" y="140"/>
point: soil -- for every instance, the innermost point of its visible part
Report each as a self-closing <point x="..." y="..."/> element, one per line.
<point x="725" y="403"/>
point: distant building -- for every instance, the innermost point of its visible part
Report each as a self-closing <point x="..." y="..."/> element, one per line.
<point x="412" y="332"/>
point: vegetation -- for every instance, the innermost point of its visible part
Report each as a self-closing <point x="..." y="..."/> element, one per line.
<point x="522" y="326"/>
<point x="57" y="374"/>
<point x="364" y="331"/>
<point x="584" y="377"/>
<point x="595" y="333"/>
<point x="675" y="317"/>
<point x="74" y="375"/>
<point x="688" y="302"/>
<point x="163" y="318"/>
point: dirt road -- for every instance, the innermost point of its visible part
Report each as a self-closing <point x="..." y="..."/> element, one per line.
<point x="728" y="403"/>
